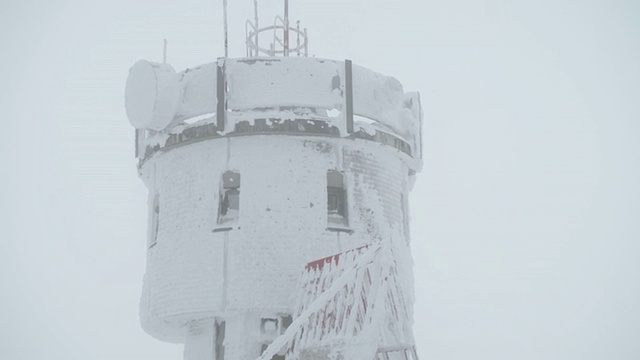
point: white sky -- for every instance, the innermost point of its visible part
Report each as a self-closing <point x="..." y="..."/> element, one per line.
<point x="526" y="217"/>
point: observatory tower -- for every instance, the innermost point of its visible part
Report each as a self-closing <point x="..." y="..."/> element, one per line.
<point x="278" y="212"/>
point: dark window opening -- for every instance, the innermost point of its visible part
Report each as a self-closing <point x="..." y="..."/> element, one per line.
<point x="220" y="332"/>
<point x="229" y="198"/>
<point x="336" y="199"/>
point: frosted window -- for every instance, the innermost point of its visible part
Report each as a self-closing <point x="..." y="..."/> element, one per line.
<point x="405" y="216"/>
<point x="220" y="333"/>
<point x="229" y="198"/>
<point x="336" y="199"/>
<point x="269" y="326"/>
<point x="270" y="329"/>
<point x="155" y="217"/>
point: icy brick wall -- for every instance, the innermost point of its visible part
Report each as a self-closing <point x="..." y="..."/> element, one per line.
<point x="195" y="273"/>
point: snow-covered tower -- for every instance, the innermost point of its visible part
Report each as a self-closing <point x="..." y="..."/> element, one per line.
<point x="278" y="211"/>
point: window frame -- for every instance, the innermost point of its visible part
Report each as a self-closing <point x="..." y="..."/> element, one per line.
<point x="155" y="221"/>
<point x="281" y="323"/>
<point x="228" y="199"/>
<point x="337" y="201"/>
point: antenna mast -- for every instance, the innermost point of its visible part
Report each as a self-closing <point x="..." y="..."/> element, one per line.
<point x="255" y="9"/>
<point x="286" y="27"/>
<point x="164" y="51"/>
<point x="281" y="34"/>
<point x="226" y="30"/>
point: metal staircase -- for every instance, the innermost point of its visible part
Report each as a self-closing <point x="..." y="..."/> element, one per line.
<point x="351" y="307"/>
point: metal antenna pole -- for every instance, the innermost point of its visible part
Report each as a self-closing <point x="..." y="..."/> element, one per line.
<point x="164" y="51"/>
<point x="255" y="7"/>
<point x="226" y="30"/>
<point x="298" y="37"/>
<point x="286" y="27"/>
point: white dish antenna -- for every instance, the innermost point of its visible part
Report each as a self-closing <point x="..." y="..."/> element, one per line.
<point x="152" y="95"/>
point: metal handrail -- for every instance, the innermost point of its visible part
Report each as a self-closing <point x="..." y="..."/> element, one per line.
<point x="303" y="319"/>
<point x="253" y="48"/>
<point x="369" y="275"/>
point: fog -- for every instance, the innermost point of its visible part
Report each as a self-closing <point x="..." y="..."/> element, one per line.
<point x="525" y="218"/>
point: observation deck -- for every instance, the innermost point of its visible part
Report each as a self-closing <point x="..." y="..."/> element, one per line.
<point x="268" y="95"/>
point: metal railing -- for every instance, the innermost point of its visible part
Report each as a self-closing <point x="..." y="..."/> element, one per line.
<point x="279" y="45"/>
<point x="352" y="104"/>
<point x="350" y="298"/>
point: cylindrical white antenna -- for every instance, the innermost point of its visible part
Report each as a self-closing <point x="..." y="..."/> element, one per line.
<point x="226" y="30"/>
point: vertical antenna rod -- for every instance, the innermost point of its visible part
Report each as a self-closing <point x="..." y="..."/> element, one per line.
<point x="298" y="37"/>
<point x="226" y="30"/>
<point x="255" y="7"/>
<point x="164" y="51"/>
<point x="286" y="27"/>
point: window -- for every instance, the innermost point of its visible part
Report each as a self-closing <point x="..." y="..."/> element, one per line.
<point x="220" y="332"/>
<point x="405" y="216"/>
<point x="336" y="199"/>
<point x="270" y="329"/>
<point x="155" y="217"/>
<point x="229" y="198"/>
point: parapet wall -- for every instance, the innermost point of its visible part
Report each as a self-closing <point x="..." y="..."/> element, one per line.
<point x="287" y="95"/>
